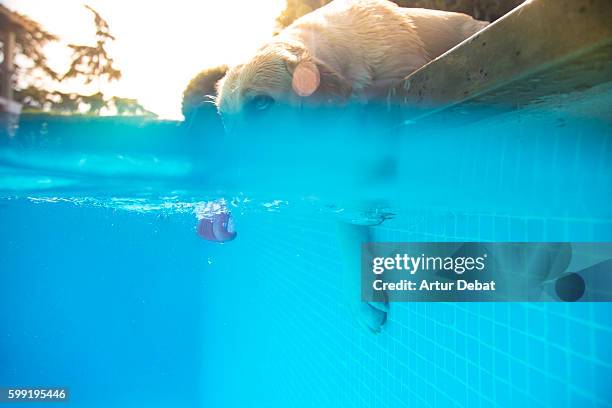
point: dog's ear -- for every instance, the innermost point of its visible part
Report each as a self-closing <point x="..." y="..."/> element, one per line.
<point x="315" y="79"/>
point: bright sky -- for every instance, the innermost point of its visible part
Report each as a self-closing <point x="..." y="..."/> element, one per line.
<point x="160" y="45"/>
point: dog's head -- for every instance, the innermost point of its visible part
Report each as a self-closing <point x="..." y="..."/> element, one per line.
<point x="278" y="76"/>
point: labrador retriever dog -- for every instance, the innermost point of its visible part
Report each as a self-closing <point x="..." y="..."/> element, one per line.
<point x="347" y="51"/>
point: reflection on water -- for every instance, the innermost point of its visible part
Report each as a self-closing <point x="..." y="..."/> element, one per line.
<point x="541" y="161"/>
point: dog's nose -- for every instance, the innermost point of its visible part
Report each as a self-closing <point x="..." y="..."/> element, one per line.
<point x="218" y="228"/>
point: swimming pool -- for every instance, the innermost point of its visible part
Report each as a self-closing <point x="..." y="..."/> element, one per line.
<point x="105" y="287"/>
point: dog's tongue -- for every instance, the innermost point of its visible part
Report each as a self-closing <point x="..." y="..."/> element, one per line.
<point x="219" y="228"/>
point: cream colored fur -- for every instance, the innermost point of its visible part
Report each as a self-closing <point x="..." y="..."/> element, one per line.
<point x="360" y="47"/>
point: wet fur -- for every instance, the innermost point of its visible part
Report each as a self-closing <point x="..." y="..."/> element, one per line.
<point x="360" y="47"/>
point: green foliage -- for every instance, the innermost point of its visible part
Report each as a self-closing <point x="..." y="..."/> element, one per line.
<point x="88" y="63"/>
<point x="129" y="106"/>
<point x="30" y="40"/>
<point x="94" y="62"/>
<point x="95" y="101"/>
<point x="40" y="100"/>
<point x="33" y="97"/>
<point x="66" y="102"/>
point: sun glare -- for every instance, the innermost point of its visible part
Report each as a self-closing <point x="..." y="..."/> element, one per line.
<point x="159" y="46"/>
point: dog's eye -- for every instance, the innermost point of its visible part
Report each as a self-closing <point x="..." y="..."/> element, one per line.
<point x="261" y="102"/>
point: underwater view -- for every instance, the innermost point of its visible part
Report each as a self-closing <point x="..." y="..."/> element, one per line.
<point x="108" y="289"/>
<point x="217" y="259"/>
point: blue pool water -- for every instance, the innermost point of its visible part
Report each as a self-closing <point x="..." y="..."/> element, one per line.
<point x="106" y="288"/>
